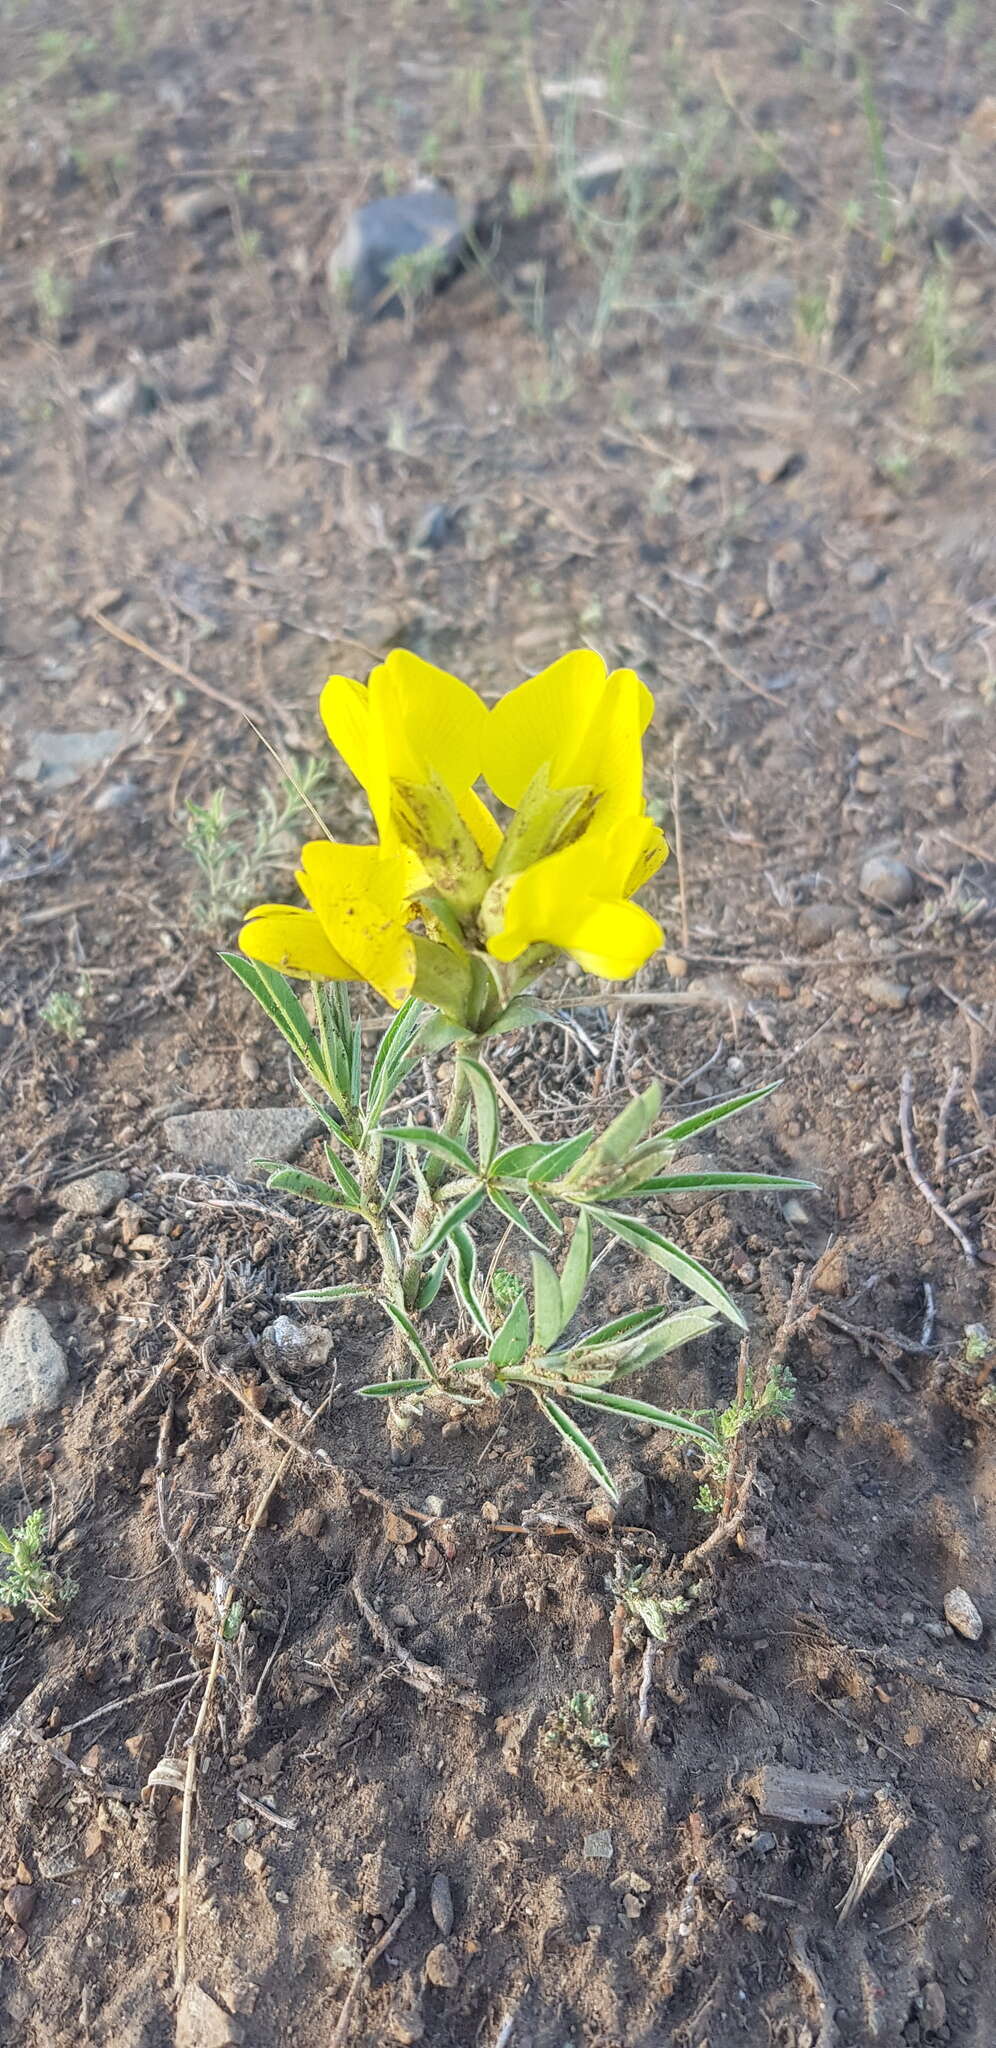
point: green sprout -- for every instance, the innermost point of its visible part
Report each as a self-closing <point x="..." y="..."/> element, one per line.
<point x="576" y="1732"/>
<point x="28" y="1580"/>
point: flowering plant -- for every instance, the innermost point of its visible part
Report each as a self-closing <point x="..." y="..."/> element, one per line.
<point x="450" y="916"/>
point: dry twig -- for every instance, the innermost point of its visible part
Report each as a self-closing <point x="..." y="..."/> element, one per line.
<point x="364" y="1968"/>
<point x="916" y="1172"/>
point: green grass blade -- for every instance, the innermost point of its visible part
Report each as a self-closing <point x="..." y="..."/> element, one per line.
<point x="716" y="1114"/>
<point x="576" y="1440"/>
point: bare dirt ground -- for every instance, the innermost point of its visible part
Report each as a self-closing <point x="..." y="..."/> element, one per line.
<point x="731" y="419"/>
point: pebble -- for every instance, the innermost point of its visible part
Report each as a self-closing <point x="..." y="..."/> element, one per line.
<point x="20" y="1903"/>
<point x="94" y="1194"/>
<point x="249" y="1066"/>
<point x="933" y="2008"/>
<point x="816" y="923"/>
<point x="598" y="1845"/>
<point x="194" y="207"/>
<point x="117" y="400"/>
<point x="830" y="1275"/>
<point x="441" y="1903"/>
<point x="115" y="796"/>
<point x="33" y="1371"/>
<point x="406" y="2025"/>
<point x="864" y="573"/>
<point x="962" y="1614"/>
<point x="434" y="528"/>
<point x="232" y="1140"/>
<point x="883" y="993"/>
<point x="771" y="462"/>
<point x="56" y="759"/>
<point x="202" y="2023"/>
<point x="385" y="231"/>
<point x="397" y="1529"/>
<point x="887" y="881"/>
<point x="441" y="1967"/>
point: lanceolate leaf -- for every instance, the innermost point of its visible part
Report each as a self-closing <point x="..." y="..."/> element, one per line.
<point x="691" y="1183"/>
<point x="348" y="1185"/>
<point x="690" y="1125"/>
<point x="518" y="1160"/>
<point x="643" y="1411"/>
<point x="432" y="1283"/>
<point x="291" y="1181"/>
<point x="674" y="1261"/>
<point x="574" y="1436"/>
<point x="548" y="1308"/>
<point x="576" y="1267"/>
<point x="403" y="1322"/>
<point x="447" y="1222"/>
<point x="647" y="1345"/>
<point x="510" y="1345"/>
<point x="485" y="1108"/>
<point x="621" y="1326"/>
<point x="435" y="1142"/>
<point x="560" y="1158"/>
<point x="384" y="1390"/>
<point x="463" y="1275"/>
<point x="613" y="1148"/>
<point x="546" y="1209"/>
<point x="393" y="1056"/>
<point x="513" y="1214"/>
<point x="350" y="1290"/>
<point x="274" y="994"/>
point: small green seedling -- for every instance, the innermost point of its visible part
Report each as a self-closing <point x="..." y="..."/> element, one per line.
<point x="28" y="1580"/>
<point x="576" y="1732"/>
<point x="63" y="1013"/>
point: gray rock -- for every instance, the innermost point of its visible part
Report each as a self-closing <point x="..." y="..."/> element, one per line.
<point x="202" y="2023"/>
<point x="33" y="1372"/>
<point x="115" y="796"/>
<point x="55" y="759"/>
<point x="94" y="1194"/>
<point x="961" y="1613"/>
<point x="441" y="1903"/>
<point x="883" y="993"/>
<point x="442" y="1968"/>
<point x="598" y="1845"/>
<point x="385" y="231"/>
<point x="231" y="1140"/>
<point x="816" y="924"/>
<point x="888" y="881"/>
<point x="864" y="573"/>
<point x="434" y="528"/>
<point x="117" y="401"/>
<point x="194" y="207"/>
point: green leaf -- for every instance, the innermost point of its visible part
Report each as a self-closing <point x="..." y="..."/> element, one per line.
<point x="435" y="1142"/>
<point x="691" y="1183"/>
<point x="463" y="1274"/>
<point x="642" y="1411"/>
<point x="574" y="1436"/>
<point x="443" y="979"/>
<point x="518" y="1015"/>
<point x="347" y="1183"/>
<point x="448" y="1221"/>
<point x="641" y="1349"/>
<point x="621" y="1326"/>
<point x="274" y="994"/>
<point x="393" y="1056"/>
<point x="679" y="1264"/>
<point x="289" y="1180"/>
<point x="432" y="1283"/>
<point x="715" y="1114"/>
<point x="350" y="1290"/>
<point x="384" y="1390"/>
<point x="560" y="1158"/>
<point x="485" y="1109"/>
<point x="517" y="1160"/>
<point x="546" y="1209"/>
<point x="513" y="1214"/>
<point x="437" y="1033"/>
<point x="576" y="1267"/>
<point x="548" y="1308"/>
<point x="510" y="1345"/>
<point x="403" y="1322"/>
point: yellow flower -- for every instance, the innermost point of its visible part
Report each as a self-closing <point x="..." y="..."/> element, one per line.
<point x="563" y="752"/>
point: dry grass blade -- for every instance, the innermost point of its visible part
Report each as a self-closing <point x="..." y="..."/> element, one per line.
<point x="865" y="1871"/>
<point x="364" y="1968"/>
<point x="917" y="1174"/>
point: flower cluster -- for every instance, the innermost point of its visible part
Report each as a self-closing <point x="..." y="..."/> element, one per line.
<point x="451" y="904"/>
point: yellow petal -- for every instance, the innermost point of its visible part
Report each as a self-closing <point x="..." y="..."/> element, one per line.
<point x="285" y="936"/>
<point x="583" y="726"/>
<point x="361" y="896"/>
<point x="483" y="828"/>
<point x="345" y="711"/>
<point x="431" y="723"/>
<point x="578" y="900"/>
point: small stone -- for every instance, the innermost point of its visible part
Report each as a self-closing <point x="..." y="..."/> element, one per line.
<point x="20" y="1903"/>
<point x="676" y="965"/>
<point x="441" y="1967"/>
<point x="887" y="881"/>
<point x="829" y="1274"/>
<point x="767" y="977"/>
<point x="233" y="1140"/>
<point x="864" y="573"/>
<point x="249" y="1066"/>
<point x="883" y="993"/>
<point x="254" y="1862"/>
<point x="598" y="1845"/>
<point x="441" y="1903"/>
<point x="33" y="1371"/>
<point x="817" y="923"/>
<point x="632" y="1906"/>
<point x="385" y="235"/>
<point x="241" y="1830"/>
<point x="194" y="207"/>
<point x="56" y="759"/>
<point x="117" y="401"/>
<point x="405" y="2024"/>
<point x="771" y="462"/>
<point x="962" y="1614"/>
<point x="397" y="1529"/>
<point x="202" y="2023"/>
<point x="933" y="2008"/>
<point x="434" y="528"/>
<point x="115" y="796"/>
<point x="94" y="1194"/>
